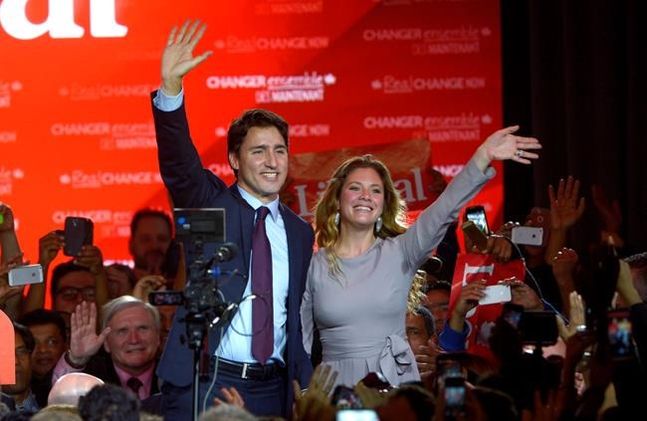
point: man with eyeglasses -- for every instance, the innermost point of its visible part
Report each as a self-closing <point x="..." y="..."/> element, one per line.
<point x="71" y="281"/>
<point x="72" y="284"/>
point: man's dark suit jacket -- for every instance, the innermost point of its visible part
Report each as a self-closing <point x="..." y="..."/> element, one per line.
<point x="192" y="186"/>
<point x="101" y="366"/>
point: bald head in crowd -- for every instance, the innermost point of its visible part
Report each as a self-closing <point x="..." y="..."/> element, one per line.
<point x="70" y="387"/>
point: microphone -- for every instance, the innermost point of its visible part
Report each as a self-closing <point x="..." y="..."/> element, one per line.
<point x="225" y="252"/>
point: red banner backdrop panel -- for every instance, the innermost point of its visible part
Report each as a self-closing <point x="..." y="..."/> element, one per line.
<point x="414" y="81"/>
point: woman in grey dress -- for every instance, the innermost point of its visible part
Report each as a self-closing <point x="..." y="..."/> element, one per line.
<point x="358" y="281"/>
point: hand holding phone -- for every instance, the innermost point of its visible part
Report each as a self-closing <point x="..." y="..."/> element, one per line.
<point x="478" y="238"/>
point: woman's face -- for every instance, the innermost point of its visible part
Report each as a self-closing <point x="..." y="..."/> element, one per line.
<point x="362" y="198"/>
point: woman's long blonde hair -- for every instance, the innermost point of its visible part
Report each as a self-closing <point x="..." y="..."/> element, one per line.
<point x="393" y="214"/>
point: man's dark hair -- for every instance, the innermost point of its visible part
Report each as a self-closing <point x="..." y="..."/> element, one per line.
<point x="44" y="317"/>
<point x="109" y="403"/>
<point x="496" y="404"/>
<point x="253" y="118"/>
<point x="150" y="213"/>
<point x="63" y="269"/>
<point x="420" y="400"/>
<point x="438" y="286"/>
<point x="132" y="279"/>
<point x="26" y="336"/>
<point x="428" y="318"/>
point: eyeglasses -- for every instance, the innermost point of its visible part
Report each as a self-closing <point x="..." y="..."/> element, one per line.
<point x="72" y="293"/>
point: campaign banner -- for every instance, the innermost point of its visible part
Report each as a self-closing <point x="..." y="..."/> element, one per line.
<point x="76" y="130"/>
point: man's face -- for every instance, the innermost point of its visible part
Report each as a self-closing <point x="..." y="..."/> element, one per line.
<point x="49" y="348"/>
<point x="262" y="163"/>
<point x="438" y="305"/>
<point x="149" y="244"/>
<point x="73" y="288"/>
<point x="133" y="340"/>
<point x="23" y="370"/>
<point x="416" y="333"/>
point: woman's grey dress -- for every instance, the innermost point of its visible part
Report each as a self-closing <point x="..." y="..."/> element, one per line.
<point x="361" y="317"/>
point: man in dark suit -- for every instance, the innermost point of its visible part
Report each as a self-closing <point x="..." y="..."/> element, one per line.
<point x="257" y="144"/>
<point x="130" y="338"/>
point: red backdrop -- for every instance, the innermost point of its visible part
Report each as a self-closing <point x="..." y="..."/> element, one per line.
<point x="402" y="78"/>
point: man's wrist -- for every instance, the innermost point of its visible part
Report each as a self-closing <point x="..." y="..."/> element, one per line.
<point x="74" y="362"/>
<point x="171" y="87"/>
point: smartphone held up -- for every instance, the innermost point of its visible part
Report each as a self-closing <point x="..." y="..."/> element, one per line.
<point x="26" y="275"/>
<point x="78" y="233"/>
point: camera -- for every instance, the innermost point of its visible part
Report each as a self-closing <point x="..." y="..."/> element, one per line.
<point x="166" y="298"/>
<point x="78" y="233"/>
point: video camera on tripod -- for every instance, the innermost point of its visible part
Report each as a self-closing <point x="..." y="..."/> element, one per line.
<point x="202" y="233"/>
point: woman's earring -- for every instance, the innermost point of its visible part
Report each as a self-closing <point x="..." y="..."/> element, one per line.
<point x="337" y="218"/>
<point x="378" y="224"/>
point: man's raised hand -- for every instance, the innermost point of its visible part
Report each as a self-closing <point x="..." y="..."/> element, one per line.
<point x="84" y="341"/>
<point x="178" y="58"/>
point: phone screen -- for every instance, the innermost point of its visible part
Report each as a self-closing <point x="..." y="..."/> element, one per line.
<point x="345" y="398"/>
<point x="166" y="298"/>
<point x="512" y="314"/>
<point x="448" y="366"/>
<point x="454" y="396"/>
<point x="357" y="415"/>
<point x="476" y="214"/>
<point x="620" y="338"/>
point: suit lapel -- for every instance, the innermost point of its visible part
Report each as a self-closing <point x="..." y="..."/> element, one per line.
<point x="234" y="288"/>
<point x="294" y="255"/>
<point x="246" y="225"/>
